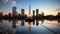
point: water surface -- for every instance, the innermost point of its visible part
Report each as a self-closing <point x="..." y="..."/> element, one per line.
<point x="22" y="27"/>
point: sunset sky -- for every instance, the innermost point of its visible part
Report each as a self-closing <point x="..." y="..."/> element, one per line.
<point x="49" y="7"/>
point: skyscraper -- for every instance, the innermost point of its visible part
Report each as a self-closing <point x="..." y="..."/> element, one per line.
<point x="1" y="13"/>
<point x="37" y="12"/>
<point x="58" y="13"/>
<point x="29" y="9"/>
<point x="22" y="12"/>
<point x="29" y="15"/>
<point x="42" y="14"/>
<point x="33" y="13"/>
<point x="9" y="14"/>
<point x="14" y="11"/>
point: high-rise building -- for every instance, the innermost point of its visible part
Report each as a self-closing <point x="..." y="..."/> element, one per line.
<point x="29" y="9"/>
<point x="29" y="15"/>
<point x="33" y="13"/>
<point x="42" y="14"/>
<point x="9" y="14"/>
<point x="22" y="12"/>
<point x="1" y="13"/>
<point x="14" y="11"/>
<point x="37" y="12"/>
<point x="58" y="13"/>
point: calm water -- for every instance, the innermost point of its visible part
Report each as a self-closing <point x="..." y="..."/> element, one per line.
<point x="22" y="27"/>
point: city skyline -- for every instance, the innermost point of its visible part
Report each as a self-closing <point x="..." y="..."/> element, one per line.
<point x="46" y="6"/>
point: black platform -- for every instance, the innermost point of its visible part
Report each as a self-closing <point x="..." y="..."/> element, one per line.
<point x="29" y="20"/>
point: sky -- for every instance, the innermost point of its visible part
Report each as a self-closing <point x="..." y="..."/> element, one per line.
<point x="49" y="7"/>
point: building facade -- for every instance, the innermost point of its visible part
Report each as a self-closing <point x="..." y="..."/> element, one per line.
<point x="33" y="13"/>
<point x="37" y="12"/>
<point x="14" y="11"/>
<point x="22" y="12"/>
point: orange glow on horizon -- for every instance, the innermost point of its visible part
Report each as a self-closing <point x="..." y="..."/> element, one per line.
<point x="29" y="16"/>
<point x="50" y="13"/>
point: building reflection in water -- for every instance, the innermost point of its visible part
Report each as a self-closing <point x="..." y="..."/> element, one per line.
<point x="1" y="21"/>
<point x="1" y="31"/>
<point x="42" y="21"/>
<point x="58" y="21"/>
<point x="37" y="23"/>
<point x="9" y="20"/>
<point x="34" y="23"/>
<point x="14" y="26"/>
<point x="29" y="25"/>
<point x="22" y="22"/>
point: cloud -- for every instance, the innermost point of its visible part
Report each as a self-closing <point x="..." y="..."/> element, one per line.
<point x="20" y="4"/>
<point x="5" y="1"/>
<point x="58" y="9"/>
<point x="13" y="3"/>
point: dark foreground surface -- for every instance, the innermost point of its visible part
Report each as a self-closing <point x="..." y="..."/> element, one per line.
<point x="36" y="27"/>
